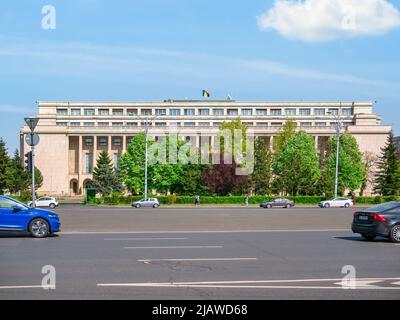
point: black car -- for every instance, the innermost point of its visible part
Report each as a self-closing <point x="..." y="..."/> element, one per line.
<point x="279" y="202"/>
<point x="380" y="220"/>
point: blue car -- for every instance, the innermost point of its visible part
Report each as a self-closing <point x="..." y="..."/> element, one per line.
<point x="16" y="216"/>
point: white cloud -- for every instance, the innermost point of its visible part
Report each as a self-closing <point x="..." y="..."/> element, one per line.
<point x="326" y="20"/>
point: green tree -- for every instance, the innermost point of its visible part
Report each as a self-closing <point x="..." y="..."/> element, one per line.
<point x="233" y="125"/>
<point x="387" y="182"/>
<point x="262" y="173"/>
<point x="286" y="133"/>
<point x="190" y="182"/>
<point x="296" y="167"/>
<point x="351" y="172"/>
<point x="105" y="178"/>
<point x="6" y="168"/>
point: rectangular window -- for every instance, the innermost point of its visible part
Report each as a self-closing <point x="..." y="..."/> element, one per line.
<point x="117" y="124"/>
<point x="262" y="124"/>
<point x="319" y="112"/>
<point x="117" y="142"/>
<point x="160" y="124"/>
<point x="88" y="163"/>
<point x="132" y="124"/>
<point x="117" y="112"/>
<point x="89" y="112"/>
<point x="305" y="124"/>
<point x="261" y="112"/>
<point x="174" y="124"/>
<point x="175" y="112"/>
<point x="103" y="124"/>
<point x="146" y="112"/>
<point x="290" y="112"/>
<point x="189" y="124"/>
<point x="88" y="124"/>
<point x="75" y="112"/>
<point x="204" y="124"/>
<point x="276" y="112"/>
<point x="103" y="142"/>
<point x="74" y="124"/>
<point x="276" y="124"/>
<point x="149" y="124"/>
<point x="62" y="112"/>
<point x="232" y="112"/>
<point x="62" y="123"/>
<point x="333" y="111"/>
<point x="247" y="112"/>
<point x="104" y="112"/>
<point x="249" y="124"/>
<point x="320" y="124"/>
<point x="131" y="112"/>
<point x="347" y="112"/>
<point x="117" y="157"/>
<point x="88" y="142"/>
<point x="161" y="112"/>
<point x="218" y="112"/>
<point x="305" y="112"/>
<point x="189" y="112"/>
<point x="204" y="112"/>
<point x="217" y="124"/>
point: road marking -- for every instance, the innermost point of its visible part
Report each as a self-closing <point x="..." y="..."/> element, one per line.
<point x="198" y="259"/>
<point x="140" y="239"/>
<point x="177" y="247"/>
<point x="205" y="231"/>
<point x="235" y="284"/>
<point x="20" y="287"/>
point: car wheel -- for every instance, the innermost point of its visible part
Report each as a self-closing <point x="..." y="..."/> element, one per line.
<point x="156" y="206"/>
<point x="346" y="205"/>
<point x="52" y="205"/>
<point x="395" y="234"/>
<point x="137" y="205"/>
<point x="368" y="237"/>
<point x="39" y="228"/>
<point x="268" y="206"/>
<point x="327" y="205"/>
<point x="288" y="206"/>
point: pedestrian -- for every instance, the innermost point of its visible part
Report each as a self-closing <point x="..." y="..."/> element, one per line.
<point x="197" y="201"/>
<point x="246" y="199"/>
<point x="353" y="198"/>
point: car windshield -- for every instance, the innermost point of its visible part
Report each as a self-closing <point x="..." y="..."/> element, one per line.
<point x="383" y="207"/>
<point x="9" y="203"/>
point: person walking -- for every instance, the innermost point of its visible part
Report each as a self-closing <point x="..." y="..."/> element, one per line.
<point x="197" y="201"/>
<point x="246" y="199"/>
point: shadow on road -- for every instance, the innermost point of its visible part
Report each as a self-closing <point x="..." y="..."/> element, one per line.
<point x="22" y="235"/>
<point x="361" y="239"/>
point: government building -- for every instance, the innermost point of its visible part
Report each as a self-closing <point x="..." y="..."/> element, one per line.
<point x="72" y="134"/>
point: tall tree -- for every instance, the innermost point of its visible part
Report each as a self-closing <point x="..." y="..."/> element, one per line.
<point x="387" y="182"/>
<point x="105" y="178"/>
<point x="286" y="133"/>
<point x="351" y="172"/>
<point x="6" y="168"/>
<point x="297" y="166"/>
<point x="262" y="174"/>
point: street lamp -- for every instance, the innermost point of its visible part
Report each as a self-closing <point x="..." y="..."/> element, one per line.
<point x="339" y="125"/>
<point x="32" y="139"/>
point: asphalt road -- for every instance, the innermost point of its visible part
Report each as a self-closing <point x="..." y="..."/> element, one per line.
<point x="200" y="253"/>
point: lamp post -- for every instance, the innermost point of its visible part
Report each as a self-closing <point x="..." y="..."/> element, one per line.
<point x="338" y="129"/>
<point x="32" y="139"/>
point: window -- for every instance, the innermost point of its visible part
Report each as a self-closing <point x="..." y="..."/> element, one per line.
<point x="160" y="124"/>
<point x="88" y="142"/>
<point x="333" y="111"/>
<point x="161" y="112"/>
<point x="218" y="112"/>
<point x="290" y="112"/>
<point x="217" y="124"/>
<point x="262" y="124"/>
<point x="319" y="112"/>
<point x="347" y="112"/>
<point x="5" y="203"/>
<point x="74" y="124"/>
<point x="88" y="124"/>
<point x="305" y="124"/>
<point x="132" y="124"/>
<point x="189" y="112"/>
<point x="132" y="112"/>
<point x="232" y="112"/>
<point x="247" y="112"/>
<point x="261" y="112"/>
<point x="88" y="112"/>
<point x="146" y="112"/>
<point x="117" y="142"/>
<point x="320" y="124"/>
<point x="149" y="124"/>
<point x="249" y="124"/>
<point x="175" y="112"/>
<point x="276" y="124"/>
<point x="62" y="112"/>
<point x="117" y="112"/>
<point x="174" y="124"/>
<point x="204" y="124"/>
<point x="117" y="124"/>
<point x="103" y="124"/>
<point x="62" y="123"/>
<point x="88" y="163"/>
<point x="103" y="142"/>
<point x="75" y="112"/>
<point x="117" y="157"/>
<point x="189" y="124"/>
<point x="276" y="112"/>
<point x="104" y="112"/>
<point x="204" y="112"/>
<point x="305" y="112"/>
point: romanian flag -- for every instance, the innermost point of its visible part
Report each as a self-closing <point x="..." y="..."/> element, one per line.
<point x="206" y="93"/>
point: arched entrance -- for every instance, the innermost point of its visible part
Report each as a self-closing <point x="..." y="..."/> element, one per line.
<point x="74" y="187"/>
<point x="87" y="183"/>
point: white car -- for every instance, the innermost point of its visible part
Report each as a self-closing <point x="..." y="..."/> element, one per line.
<point x="45" y="202"/>
<point x="337" y="202"/>
<point x="151" y="202"/>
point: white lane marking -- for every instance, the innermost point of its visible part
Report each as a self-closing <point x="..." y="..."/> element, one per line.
<point x="140" y="239"/>
<point x="205" y="231"/>
<point x="20" y="287"/>
<point x="197" y="259"/>
<point x="177" y="247"/>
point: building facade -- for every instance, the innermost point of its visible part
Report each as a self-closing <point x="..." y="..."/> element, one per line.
<point x="72" y="134"/>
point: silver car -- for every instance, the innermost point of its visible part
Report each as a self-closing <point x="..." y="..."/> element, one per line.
<point x="151" y="202"/>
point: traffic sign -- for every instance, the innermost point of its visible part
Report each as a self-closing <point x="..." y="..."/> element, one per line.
<point x="32" y="139"/>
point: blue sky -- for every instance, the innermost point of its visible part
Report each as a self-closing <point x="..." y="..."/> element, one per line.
<point x="155" y="49"/>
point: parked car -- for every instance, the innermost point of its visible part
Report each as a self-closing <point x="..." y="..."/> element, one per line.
<point x="45" y="202"/>
<point x="380" y="220"/>
<point x="337" y="202"/>
<point x="16" y="216"/>
<point x="279" y="202"/>
<point x="151" y="202"/>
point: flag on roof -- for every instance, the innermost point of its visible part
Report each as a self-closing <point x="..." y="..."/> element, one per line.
<point x="206" y="93"/>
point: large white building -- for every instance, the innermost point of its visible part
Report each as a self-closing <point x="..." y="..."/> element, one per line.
<point x="73" y="133"/>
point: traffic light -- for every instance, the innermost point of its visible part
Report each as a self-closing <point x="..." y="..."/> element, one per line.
<point x="28" y="161"/>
